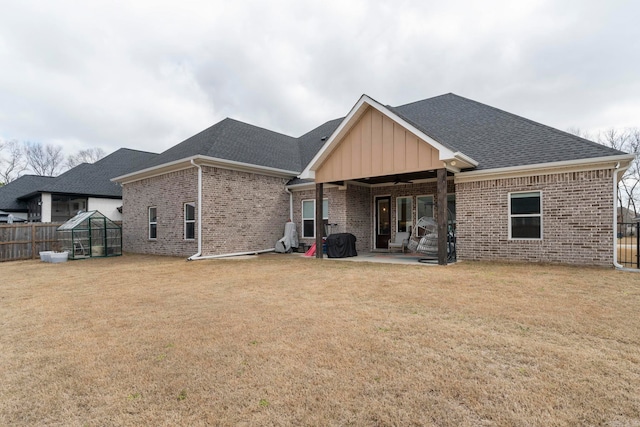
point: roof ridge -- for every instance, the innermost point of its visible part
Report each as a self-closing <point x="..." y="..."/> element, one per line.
<point x="426" y="99"/>
<point x="256" y="126"/>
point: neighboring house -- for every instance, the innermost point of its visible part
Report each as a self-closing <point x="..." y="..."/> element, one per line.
<point x="514" y="189"/>
<point x="84" y="187"/>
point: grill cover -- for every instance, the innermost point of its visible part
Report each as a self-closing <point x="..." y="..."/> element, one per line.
<point x="341" y="245"/>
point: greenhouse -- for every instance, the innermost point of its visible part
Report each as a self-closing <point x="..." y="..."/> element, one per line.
<point x="90" y="234"/>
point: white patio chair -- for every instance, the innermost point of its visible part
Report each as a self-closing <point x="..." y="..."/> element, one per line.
<point x="401" y="241"/>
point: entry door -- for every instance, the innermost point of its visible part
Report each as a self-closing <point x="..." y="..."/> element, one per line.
<point x="383" y="222"/>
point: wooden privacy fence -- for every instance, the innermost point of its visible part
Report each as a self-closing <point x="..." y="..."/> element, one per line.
<point x="25" y="241"/>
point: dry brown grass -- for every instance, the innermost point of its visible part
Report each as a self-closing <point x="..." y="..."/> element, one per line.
<point x="281" y="340"/>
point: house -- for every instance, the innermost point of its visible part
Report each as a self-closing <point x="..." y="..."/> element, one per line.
<point x="507" y="187"/>
<point x="84" y="187"/>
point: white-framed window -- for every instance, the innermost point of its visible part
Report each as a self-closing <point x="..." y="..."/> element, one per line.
<point x="525" y="215"/>
<point x="309" y="217"/>
<point x="424" y="206"/>
<point x="404" y="213"/>
<point x="153" y="222"/>
<point x="189" y="221"/>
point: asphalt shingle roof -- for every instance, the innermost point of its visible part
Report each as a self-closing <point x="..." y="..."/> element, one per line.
<point x="10" y="192"/>
<point x="493" y="137"/>
<point x="239" y="142"/>
<point x="95" y="178"/>
<point x="85" y="179"/>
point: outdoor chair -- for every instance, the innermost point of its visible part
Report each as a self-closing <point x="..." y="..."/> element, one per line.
<point x="401" y="241"/>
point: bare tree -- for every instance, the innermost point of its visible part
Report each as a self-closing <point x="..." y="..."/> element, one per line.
<point x="580" y="132"/>
<point x="45" y="160"/>
<point x="627" y="140"/>
<point x="12" y="162"/>
<point x="90" y="155"/>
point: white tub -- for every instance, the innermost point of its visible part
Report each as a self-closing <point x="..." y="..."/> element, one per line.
<point x="57" y="257"/>
<point x="45" y="256"/>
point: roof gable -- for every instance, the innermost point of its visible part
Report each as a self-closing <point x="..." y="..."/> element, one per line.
<point x="446" y="155"/>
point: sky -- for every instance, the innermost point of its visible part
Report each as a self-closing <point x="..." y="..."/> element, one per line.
<point x="148" y="74"/>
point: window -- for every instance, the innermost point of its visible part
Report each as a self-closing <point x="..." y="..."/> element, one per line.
<point x="424" y="206"/>
<point x="189" y="221"/>
<point x="404" y="213"/>
<point x="309" y="217"/>
<point x="525" y="215"/>
<point x="153" y="223"/>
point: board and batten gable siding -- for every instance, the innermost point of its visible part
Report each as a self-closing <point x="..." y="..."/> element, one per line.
<point x="167" y="193"/>
<point x="377" y="146"/>
<point x="577" y="215"/>
<point x="242" y="211"/>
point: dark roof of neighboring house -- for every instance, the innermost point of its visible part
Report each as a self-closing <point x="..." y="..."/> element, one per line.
<point x="9" y="193"/>
<point x="493" y="137"/>
<point x="95" y="178"/>
<point x="238" y="142"/>
<point x="85" y="179"/>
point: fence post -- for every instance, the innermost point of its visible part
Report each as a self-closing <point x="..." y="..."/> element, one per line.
<point x="33" y="240"/>
<point x="637" y="245"/>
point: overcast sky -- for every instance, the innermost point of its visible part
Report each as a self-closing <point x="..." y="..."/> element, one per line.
<point x="149" y="74"/>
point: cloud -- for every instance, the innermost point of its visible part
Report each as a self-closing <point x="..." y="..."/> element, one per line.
<point x="146" y="75"/>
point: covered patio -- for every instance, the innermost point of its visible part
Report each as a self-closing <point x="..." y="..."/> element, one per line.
<point x="377" y="149"/>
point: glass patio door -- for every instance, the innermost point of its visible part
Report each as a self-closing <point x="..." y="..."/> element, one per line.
<point x="383" y="222"/>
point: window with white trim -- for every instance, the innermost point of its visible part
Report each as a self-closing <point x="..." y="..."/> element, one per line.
<point x="153" y="223"/>
<point x="404" y="213"/>
<point x="424" y="206"/>
<point x="525" y="215"/>
<point x="189" y="221"/>
<point x="309" y="217"/>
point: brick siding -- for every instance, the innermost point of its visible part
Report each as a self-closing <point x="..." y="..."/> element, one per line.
<point x="241" y="212"/>
<point x="168" y="193"/>
<point x="577" y="219"/>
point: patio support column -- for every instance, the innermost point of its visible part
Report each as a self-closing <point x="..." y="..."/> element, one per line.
<point x="442" y="216"/>
<point x="319" y="223"/>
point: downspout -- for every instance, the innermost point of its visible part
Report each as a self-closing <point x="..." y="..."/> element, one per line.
<point x="615" y="217"/>
<point x="198" y="255"/>
<point x="290" y="203"/>
<point x="194" y="256"/>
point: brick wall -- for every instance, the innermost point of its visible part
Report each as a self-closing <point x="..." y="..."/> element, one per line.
<point x="352" y="209"/>
<point x="241" y="212"/>
<point x="167" y="193"/>
<point x="337" y="209"/>
<point x="576" y="213"/>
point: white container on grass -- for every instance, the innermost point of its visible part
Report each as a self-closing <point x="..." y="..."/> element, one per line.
<point x="45" y="256"/>
<point x="57" y="257"/>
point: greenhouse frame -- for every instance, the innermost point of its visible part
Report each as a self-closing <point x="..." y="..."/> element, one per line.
<point x="90" y="234"/>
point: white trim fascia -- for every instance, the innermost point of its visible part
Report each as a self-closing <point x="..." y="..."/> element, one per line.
<point x="203" y="161"/>
<point x="312" y="185"/>
<point x="445" y="154"/>
<point x="607" y="162"/>
<point x="309" y="186"/>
